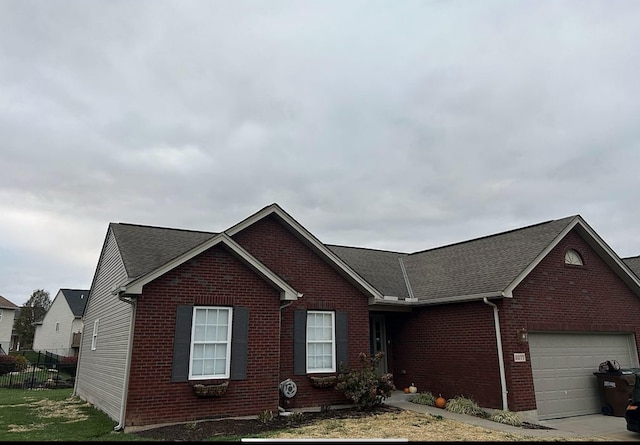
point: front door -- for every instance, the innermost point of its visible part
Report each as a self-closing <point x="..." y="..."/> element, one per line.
<point x="378" y="340"/>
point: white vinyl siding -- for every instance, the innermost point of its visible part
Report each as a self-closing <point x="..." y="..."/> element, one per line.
<point x="321" y="341"/>
<point x="210" y="356"/>
<point x="101" y="373"/>
<point x="563" y="365"/>
<point x="54" y="333"/>
<point x="94" y="335"/>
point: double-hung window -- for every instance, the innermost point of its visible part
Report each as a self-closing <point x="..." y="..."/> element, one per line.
<point x="321" y="341"/>
<point x="210" y="356"/>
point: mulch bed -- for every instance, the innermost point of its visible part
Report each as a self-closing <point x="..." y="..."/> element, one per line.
<point x="199" y="431"/>
<point x="234" y="428"/>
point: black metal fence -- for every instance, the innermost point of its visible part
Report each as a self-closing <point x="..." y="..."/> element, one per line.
<point x="37" y="370"/>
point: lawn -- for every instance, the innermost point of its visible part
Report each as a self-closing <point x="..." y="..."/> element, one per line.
<point x="53" y="414"/>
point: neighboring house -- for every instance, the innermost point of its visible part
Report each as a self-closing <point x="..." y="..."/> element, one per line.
<point x="7" y="317"/>
<point x="519" y="320"/>
<point x="60" y="329"/>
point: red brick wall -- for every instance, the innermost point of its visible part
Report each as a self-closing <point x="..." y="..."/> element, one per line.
<point x="557" y="297"/>
<point x="323" y="288"/>
<point x="216" y="277"/>
<point x="451" y="349"/>
<point x="213" y="278"/>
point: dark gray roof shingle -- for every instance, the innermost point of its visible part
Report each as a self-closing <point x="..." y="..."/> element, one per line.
<point x="634" y="264"/>
<point x="145" y="248"/>
<point x="380" y="268"/>
<point x="76" y="299"/>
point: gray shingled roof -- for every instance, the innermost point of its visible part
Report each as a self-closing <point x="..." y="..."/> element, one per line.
<point x="380" y="268"/>
<point x="145" y="248"/>
<point x="76" y="299"/>
<point x="475" y="267"/>
<point x="634" y="264"/>
<point x="482" y="265"/>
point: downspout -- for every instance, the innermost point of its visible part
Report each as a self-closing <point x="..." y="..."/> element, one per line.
<point x="132" y="302"/>
<point x="503" y="379"/>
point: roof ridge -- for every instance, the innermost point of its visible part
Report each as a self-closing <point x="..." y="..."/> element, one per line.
<point x="493" y="235"/>
<point x="148" y="226"/>
<point x="367" y="248"/>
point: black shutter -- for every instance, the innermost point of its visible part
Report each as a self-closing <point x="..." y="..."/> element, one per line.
<point x="182" y="344"/>
<point x="300" y="342"/>
<point x="239" y="343"/>
<point x="342" y="340"/>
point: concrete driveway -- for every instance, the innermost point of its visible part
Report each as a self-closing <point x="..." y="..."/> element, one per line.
<point x="610" y="427"/>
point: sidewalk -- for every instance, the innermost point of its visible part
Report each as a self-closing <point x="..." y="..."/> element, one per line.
<point x="606" y="427"/>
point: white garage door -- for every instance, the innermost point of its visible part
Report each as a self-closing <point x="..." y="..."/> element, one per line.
<point x="563" y="365"/>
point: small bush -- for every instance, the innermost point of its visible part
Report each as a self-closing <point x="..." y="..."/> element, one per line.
<point x="296" y="418"/>
<point x="265" y="416"/>
<point x="7" y="363"/>
<point x="423" y="398"/>
<point x="364" y="386"/>
<point x="69" y="360"/>
<point x="464" y="405"/>
<point x="21" y="363"/>
<point x="506" y="417"/>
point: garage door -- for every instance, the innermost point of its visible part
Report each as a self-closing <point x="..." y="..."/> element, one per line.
<point x="563" y="365"/>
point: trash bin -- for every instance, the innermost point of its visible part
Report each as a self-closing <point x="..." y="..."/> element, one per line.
<point x="616" y="389"/>
<point x="635" y="395"/>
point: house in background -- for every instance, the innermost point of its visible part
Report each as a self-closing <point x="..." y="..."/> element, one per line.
<point x="519" y="320"/>
<point x="7" y="317"/>
<point x="60" y="329"/>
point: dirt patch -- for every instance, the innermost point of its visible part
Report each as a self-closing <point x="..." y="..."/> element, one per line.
<point x="384" y="423"/>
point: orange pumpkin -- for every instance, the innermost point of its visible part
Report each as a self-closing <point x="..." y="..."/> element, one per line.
<point x="406" y="390"/>
<point x="441" y="402"/>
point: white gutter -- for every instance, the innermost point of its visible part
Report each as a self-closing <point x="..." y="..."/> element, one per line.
<point x="123" y="406"/>
<point x="503" y="379"/>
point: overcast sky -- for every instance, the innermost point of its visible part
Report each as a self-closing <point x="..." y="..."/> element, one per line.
<point x="399" y="125"/>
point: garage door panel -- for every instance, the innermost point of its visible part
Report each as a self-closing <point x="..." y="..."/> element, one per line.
<point x="563" y="365"/>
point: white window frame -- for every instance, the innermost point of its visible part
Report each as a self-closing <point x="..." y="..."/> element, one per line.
<point x="332" y="342"/>
<point x="226" y="342"/>
<point x="94" y="335"/>
<point x="0" y="314"/>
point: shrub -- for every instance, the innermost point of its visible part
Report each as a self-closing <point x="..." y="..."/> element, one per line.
<point x="423" y="398"/>
<point x="21" y="363"/>
<point x="69" y="360"/>
<point x="364" y="386"/>
<point x="464" y="405"/>
<point x="7" y="363"/>
<point x="265" y="416"/>
<point x="506" y="417"/>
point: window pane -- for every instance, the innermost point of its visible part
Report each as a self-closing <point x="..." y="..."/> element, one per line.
<point x="210" y="342"/>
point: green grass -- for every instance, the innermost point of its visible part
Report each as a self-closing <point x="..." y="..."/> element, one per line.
<point x="53" y="415"/>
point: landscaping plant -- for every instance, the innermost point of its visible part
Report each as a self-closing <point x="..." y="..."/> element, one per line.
<point x="364" y="386"/>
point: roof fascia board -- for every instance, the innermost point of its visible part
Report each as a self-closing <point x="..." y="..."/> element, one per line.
<point x="319" y="246"/>
<point x="596" y="242"/>
<point x="286" y="291"/>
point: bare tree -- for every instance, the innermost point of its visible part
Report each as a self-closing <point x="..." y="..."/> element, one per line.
<point x="31" y="312"/>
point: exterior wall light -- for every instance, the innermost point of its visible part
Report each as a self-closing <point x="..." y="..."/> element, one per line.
<point x="523" y="336"/>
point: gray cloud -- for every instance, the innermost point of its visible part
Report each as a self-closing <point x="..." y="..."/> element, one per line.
<point x="398" y="126"/>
